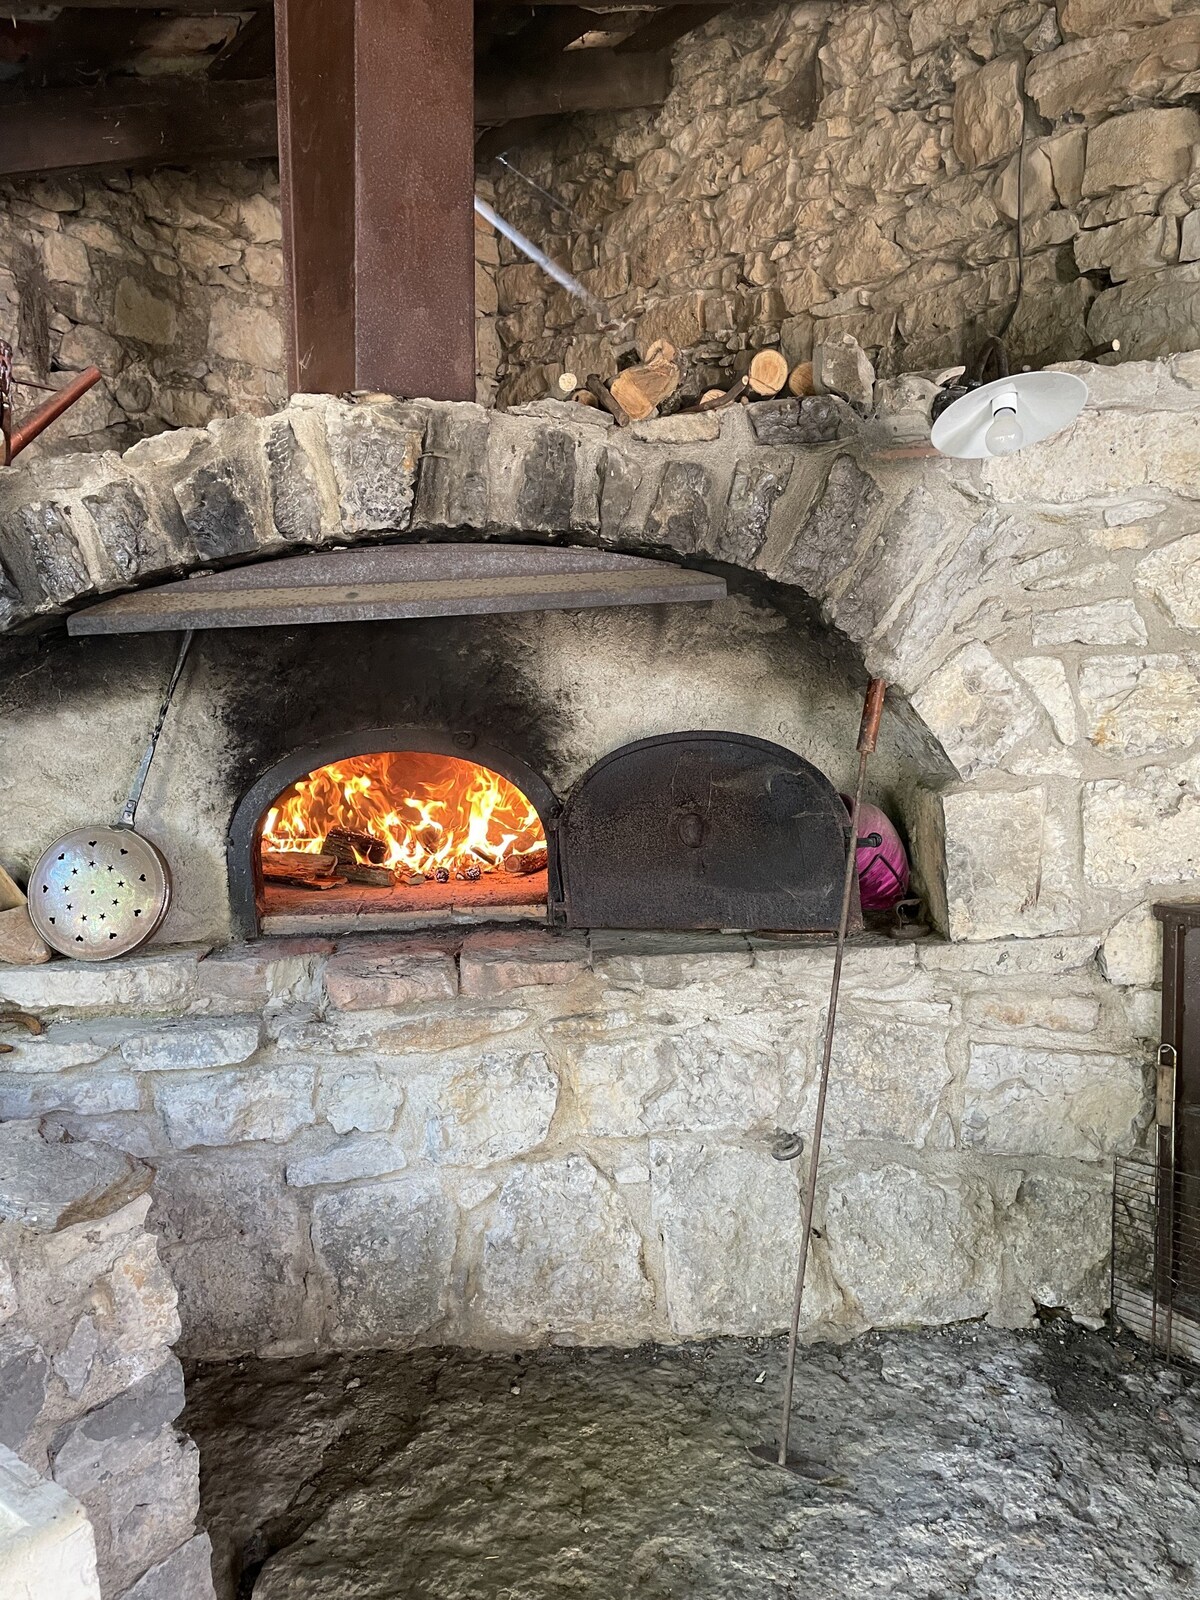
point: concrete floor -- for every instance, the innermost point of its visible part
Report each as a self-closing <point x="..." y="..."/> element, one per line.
<point x="962" y="1462"/>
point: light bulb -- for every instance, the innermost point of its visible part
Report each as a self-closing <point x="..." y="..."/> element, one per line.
<point x="1004" y="434"/>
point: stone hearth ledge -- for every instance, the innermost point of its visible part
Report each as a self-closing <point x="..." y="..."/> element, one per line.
<point x="498" y="1137"/>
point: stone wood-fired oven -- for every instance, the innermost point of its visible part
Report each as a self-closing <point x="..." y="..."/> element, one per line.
<point x="384" y="1126"/>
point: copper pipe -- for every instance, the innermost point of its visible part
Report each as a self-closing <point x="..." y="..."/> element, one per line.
<point x="27" y="431"/>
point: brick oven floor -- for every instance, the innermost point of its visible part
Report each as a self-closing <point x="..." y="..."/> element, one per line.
<point x="958" y="1462"/>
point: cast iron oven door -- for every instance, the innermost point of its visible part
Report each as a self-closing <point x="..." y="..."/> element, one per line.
<point x="703" y="830"/>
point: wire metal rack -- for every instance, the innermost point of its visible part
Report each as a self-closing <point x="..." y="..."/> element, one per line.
<point x="1156" y="1256"/>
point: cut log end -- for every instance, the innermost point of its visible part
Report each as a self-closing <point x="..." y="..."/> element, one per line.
<point x="768" y="373"/>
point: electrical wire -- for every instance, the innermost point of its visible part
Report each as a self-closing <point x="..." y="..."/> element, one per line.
<point x="1012" y="310"/>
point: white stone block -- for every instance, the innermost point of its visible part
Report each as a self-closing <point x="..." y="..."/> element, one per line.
<point x="488" y="1110"/>
<point x="1136" y="705"/>
<point x="561" y="1256"/>
<point x="1143" y="829"/>
<point x="47" y="1550"/>
<point x="976" y="708"/>
<point x="1172" y="575"/>
<point x="233" y="1107"/>
<point x="1036" y="1102"/>
<point x="907" y="1246"/>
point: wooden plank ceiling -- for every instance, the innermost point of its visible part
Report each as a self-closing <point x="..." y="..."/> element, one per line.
<point x="133" y="83"/>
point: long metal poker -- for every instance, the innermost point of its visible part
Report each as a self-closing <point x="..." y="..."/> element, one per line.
<point x="868" y="735"/>
<point x="550" y="267"/>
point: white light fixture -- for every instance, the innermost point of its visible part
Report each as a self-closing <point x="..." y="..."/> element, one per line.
<point x="998" y="418"/>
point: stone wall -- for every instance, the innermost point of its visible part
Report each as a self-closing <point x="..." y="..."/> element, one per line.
<point x="497" y="1138"/>
<point x="171" y="282"/>
<point x="89" y="1387"/>
<point x="822" y="169"/>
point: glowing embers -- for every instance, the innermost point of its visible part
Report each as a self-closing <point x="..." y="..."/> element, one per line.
<point x="401" y="833"/>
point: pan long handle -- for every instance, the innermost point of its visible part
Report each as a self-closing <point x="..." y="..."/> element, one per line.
<point x="139" y="781"/>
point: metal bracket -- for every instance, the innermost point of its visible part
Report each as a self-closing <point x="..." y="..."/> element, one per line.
<point x="1164" y="1100"/>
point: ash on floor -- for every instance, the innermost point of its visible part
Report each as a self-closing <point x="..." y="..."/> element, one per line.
<point x="958" y="1462"/>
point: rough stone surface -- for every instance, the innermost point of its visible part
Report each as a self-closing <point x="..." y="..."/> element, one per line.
<point x="561" y="1255"/>
<point x="1009" y="1089"/>
<point x="386" y="1251"/>
<point x="986" y="1451"/>
<point x="907" y="1246"/>
<point x="89" y="1388"/>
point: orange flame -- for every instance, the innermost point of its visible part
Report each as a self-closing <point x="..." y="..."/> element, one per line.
<point x="430" y="811"/>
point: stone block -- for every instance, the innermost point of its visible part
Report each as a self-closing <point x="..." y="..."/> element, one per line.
<point x="488" y="1110"/>
<point x="25" y="1376"/>
<point x="387" y="1252"/>
<point x="1034" y="1102"/>
<point x="1152" y="315"/>
<point x="375" y="454"/>
<point x="1057" y="1226"/>
<point x="235" y="1246"/>
<point x="367" y="1156"/>
<point x="1047" y="677"/>
<point x="987" y="112"/>
<point x="65" y="1045"/>
<point x="1140" y="705"/>
<point x="236" y="1107"/>
<point x="682" y="509"/>
<point x="860" y="254"/>
<point x="356" y="1097"/>
<point x="88" y="1093"/>
<point x="387" y="973"/>
<point x="139" y="984"/>
<point x="191" y="1046"/>
<point x="1100" y="74"/>
<point x="495" y="962"/>
<point x="976" y="708"/>
<point x="1144" y="828"/>
<point x="46" y="1186"/>
<point x="1103" y="622"/>
<point x="47" y="1548"/>
<point x="820" y="551"/>
<point x="140" y="314"/>
<point x="728" y="1218"/>
<point x="186" y="1574"/>
<point x="1132" y="949"/>
<point x="142" y="1496"/>
<point x="82" y="1451"/>
<point x="891" y="1080"/>
<point x="688" y="1082"/>
<point x="1150" y="146"/>
<point x="562" y="1256"/>
<point x="841" y="367"/>
<point x="1140" y="244"/>
<point x="1011" y="864"/>
<point x="906" y="1246"/>
<point x="1172" y="576"/>
<point x="241" y="331"/>
<point x="758" y="482"/>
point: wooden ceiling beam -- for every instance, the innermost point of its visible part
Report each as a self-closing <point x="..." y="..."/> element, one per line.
<point x="136" y="122"/>
<point x="250" y="53"/>
<point x="579" y="80"/>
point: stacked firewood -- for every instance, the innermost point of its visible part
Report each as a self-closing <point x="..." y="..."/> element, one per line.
<point x="347" y="856"/>
<point x="637" y="392"/>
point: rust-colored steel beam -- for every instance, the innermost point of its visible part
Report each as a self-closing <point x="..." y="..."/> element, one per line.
<point x="376" y="130"/>
<point x="315" y="92"/>
<point x="415" y="178"/>
<point x="38" y="421"/>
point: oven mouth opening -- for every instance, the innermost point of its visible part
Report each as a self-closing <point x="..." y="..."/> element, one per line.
<point x="400" y="837"/>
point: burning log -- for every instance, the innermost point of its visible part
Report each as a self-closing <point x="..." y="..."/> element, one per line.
<point x="297" y="864"/>
<point x="522" y="862"/>
<point x="301" y="869"/>
<point x="376" y="877"/>
<point x="347" y="844"/>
